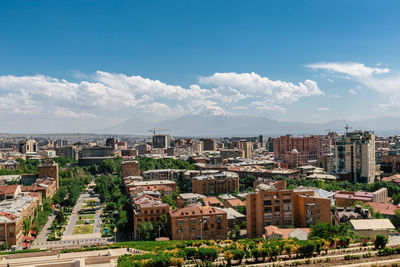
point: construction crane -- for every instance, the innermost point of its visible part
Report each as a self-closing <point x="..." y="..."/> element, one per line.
<point x="347" y="127"/>
<point x="158" y="130"/>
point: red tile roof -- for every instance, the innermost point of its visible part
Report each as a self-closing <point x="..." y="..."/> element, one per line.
<point x="383" y="208"/>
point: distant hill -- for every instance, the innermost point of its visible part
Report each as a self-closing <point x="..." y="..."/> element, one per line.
<point x="238" y="125"/>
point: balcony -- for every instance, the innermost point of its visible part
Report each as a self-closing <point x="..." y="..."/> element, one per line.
<point x="287" y="214"/>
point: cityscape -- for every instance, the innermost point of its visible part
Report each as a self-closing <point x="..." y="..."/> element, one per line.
<point x="199" y="133"/>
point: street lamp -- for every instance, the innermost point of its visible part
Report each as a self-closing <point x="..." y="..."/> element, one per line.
<point x="115" y="234"/>
<point x="159" y="229"/>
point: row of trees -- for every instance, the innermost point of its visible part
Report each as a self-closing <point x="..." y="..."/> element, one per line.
<point x="24" y="166"/>
<point x="147" y="163"/>
<point x="147" y="231"/>
<point x="72" y="182"/>
<point x="110" y="190"/>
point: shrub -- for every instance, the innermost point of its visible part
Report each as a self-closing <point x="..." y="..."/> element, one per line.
<point x="207" y="253"/>
<point x="191" y="253"/>
<point x="380" y="241"/>
<point x="238" y="255"/>
<point x="307" y="248"/>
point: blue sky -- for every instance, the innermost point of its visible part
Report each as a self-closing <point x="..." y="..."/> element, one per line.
<point x="95" y="63"/>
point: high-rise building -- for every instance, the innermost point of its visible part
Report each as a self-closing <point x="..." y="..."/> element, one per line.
<point x="247" y="148"/>
<point x="130" y="168"/>
<point x="160" y="141"/>
<point x="283" y="208"/>
<point x="209" y="144"/>
<point x="297" y="151"/>
<point x="28" y="146"/>
<point x="355" y="155"/>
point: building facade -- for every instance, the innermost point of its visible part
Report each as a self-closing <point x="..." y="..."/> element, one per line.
<point x="284" y="208"/>
<point x="215" y="184"/>
<point x="203" y="222"/>
<point x="355" y="155"/>
<point x="130" y="168"/>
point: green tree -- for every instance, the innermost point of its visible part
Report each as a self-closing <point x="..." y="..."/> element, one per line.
<point x="27" y="225"/>
<point x="380" y="241"/>
<point x="93" y="169"/>
<point x="145" y="231"/>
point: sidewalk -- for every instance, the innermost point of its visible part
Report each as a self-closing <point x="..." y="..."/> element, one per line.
<point x="44" y="234"/>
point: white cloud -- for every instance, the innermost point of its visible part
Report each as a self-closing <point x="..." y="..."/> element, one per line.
<point x="252" y="84"/>
<point x="349" y="68"/>
<point x="109" y="95"/>
<point x="352" y="91"/>
<point x="322" y="109"/>
<point x="336" y="96"/>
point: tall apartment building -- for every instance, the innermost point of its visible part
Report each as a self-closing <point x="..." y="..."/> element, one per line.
<point x="130" y="168"/>
<point x="160" y="141"/>
<point x="215" y="184"/>
<point x="209" y="144"/>
<point x="49" y="168"/>
<point x="195" y="222"/>
<point x="28" y="146"/>
<point x="283" y="208"/>
<point x="355" y="155"/>
<point x="247" y="148"/>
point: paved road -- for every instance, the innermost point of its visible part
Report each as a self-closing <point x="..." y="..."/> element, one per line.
<point x="66" y="243"/>
<point x="46" y="231"/>
<point x="75" y="214"/>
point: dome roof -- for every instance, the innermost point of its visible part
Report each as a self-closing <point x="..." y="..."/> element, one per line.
<point x="294" y="150"/>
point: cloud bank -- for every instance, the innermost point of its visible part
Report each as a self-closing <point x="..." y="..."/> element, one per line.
<point x="109" y="95"/>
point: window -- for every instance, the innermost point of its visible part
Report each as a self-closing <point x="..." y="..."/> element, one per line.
<point x="277" y="208"/>
<point x="267" y="202"/>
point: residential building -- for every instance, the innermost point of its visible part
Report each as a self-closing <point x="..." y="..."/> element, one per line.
<point x="283" y="208"/>
<point x="215" y="184"/>
<point x="204" y="222"/>
<point x="234" y="217"/>
<point x="162" y="174"/>
<point x="347" y="199"/>
<point x="49" y="168"/>
<point x="390" y="162"/>
<point x="147" y="208"/>
<point x="209" y="144"/>
<point x="247" y="148"/>
<point x="45" y="186"/>
<point x="130" y="168"/>
<point x="343" y="215"/>
<point x="232" y="153"/>
<point x="355" y="155"/>
<point x="387" y="210"/>
<point x="233" y="203"/>
<point x="9" y="191"/>
<point x="28" y="146"/>
<point x="298" y="151"/>
<point x="213" y="202"/>
<point x="186" y="199"/>
<point x="161" y="141"/>
<point x="12" y="214"/>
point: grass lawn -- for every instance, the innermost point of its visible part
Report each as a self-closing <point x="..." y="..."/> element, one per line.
<point x="83" y="221"/>
<point x="110" y="230"/>
<point x="86" y="217"/>
<point x="83" y="229"/>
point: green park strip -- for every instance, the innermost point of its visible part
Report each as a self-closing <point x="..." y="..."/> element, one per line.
<point x="83" y="229"/>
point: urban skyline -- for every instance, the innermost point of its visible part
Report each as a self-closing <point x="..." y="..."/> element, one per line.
<point x="106" y="63"/>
